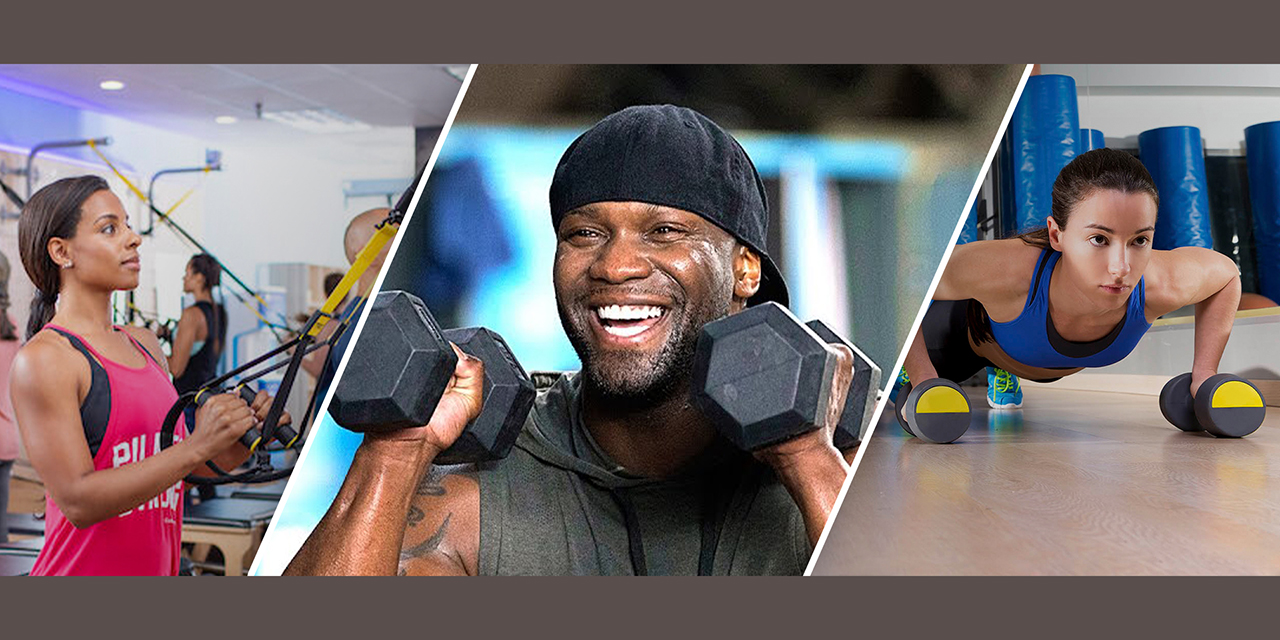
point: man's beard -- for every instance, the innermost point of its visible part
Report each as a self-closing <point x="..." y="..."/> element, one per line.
<point x="632" y="379"/>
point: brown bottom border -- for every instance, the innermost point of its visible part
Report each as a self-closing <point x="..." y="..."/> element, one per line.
<point x="376" y="608"/>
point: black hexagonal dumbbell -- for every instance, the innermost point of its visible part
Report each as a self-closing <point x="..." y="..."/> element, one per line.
<point x="762" y="377"/>
<point x="508" y="398"/>
<point x="401" y="365"/>
<point x="398" y="369"/>
<point x="1226" y="406"/>
<point x="860" y="403"/>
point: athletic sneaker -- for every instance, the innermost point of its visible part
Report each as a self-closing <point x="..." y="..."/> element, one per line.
<point x="901" y="382"/>
<point x="1003" y="390"/>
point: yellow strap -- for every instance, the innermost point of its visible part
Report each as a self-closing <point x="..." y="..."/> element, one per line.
<point x="132" y="187"/>
<point x="136" y="191"/>
<point x="256" y="312"/>
<point x="363" y="260"/>
<point x="169" y="212"/>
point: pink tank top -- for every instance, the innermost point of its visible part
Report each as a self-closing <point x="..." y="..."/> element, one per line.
<point x="145" y="540"/>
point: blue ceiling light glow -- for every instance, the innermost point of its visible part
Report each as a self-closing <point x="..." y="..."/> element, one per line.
<point x="45" y="155"/>
<point x="43" y="93"/>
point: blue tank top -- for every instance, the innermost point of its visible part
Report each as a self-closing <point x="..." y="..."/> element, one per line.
<point x="1032" y="339"/>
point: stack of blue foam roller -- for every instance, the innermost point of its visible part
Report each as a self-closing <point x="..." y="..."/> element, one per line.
<point x="1091" y="139"/>
<point x="1175" y="158"/>
<point x="1262" y="149"/>
<point x="1043" y="136"/>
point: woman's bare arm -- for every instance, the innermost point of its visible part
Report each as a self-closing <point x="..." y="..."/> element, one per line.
<point x="996" y="273"/>
<point x="1210" y="281"/>
<point x="46" y="385"/>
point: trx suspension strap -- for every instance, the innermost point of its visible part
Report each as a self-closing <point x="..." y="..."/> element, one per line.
<point x="261" y="469"/>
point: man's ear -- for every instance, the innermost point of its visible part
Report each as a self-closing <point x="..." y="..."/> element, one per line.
<point x="746" y="272"/>
<point x="1055" y="234"/>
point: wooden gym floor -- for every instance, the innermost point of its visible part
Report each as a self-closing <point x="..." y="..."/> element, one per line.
<point x="1076" y="483"/>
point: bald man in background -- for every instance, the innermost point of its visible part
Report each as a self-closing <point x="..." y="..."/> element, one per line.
<point x="323" y="362"/>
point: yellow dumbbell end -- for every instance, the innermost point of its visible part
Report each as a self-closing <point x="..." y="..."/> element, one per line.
<point x="1234" y="394"/>
<point x="942" y="399"/>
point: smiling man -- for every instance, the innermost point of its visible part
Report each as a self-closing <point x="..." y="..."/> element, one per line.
<point x="660" y="219"/>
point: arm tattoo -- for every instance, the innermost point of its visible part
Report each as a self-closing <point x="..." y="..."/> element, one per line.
<point x="426" y="546"/>
<point x="432" y="483"/>
<point x="415" y="516"/>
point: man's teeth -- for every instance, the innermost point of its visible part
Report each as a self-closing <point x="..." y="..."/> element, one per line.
<point x="626" y="332"/>
<point x="628" y="312"/>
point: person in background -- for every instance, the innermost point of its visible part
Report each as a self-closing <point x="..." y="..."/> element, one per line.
<point x="6" y="323"/>
<point x="323" y="362"/>
<point x="201" y="335"/>
<point x="9" y="345"/>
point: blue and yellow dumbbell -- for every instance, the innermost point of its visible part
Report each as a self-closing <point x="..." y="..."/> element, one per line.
<point x="1226" y="406"/>
<point x="936" y="411"/>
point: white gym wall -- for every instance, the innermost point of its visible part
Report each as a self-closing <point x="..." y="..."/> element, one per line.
<point x="1122" y="101"/>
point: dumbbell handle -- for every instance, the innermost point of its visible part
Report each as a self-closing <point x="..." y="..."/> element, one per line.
<point x="860" y="400"/>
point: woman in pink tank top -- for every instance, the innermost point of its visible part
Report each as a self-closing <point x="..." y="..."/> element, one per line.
<point x="90" y="397"/>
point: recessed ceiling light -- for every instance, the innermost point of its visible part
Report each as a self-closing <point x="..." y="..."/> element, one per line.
<point x="225" y="120"/>
<point x="111" y="85"/>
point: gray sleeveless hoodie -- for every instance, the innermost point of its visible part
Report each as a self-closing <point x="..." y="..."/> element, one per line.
<point x="558" y="506"/>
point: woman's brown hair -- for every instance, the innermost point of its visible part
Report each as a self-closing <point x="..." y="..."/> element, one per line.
<point x="1097" y="170"/>
<point x="53" y="212"/>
